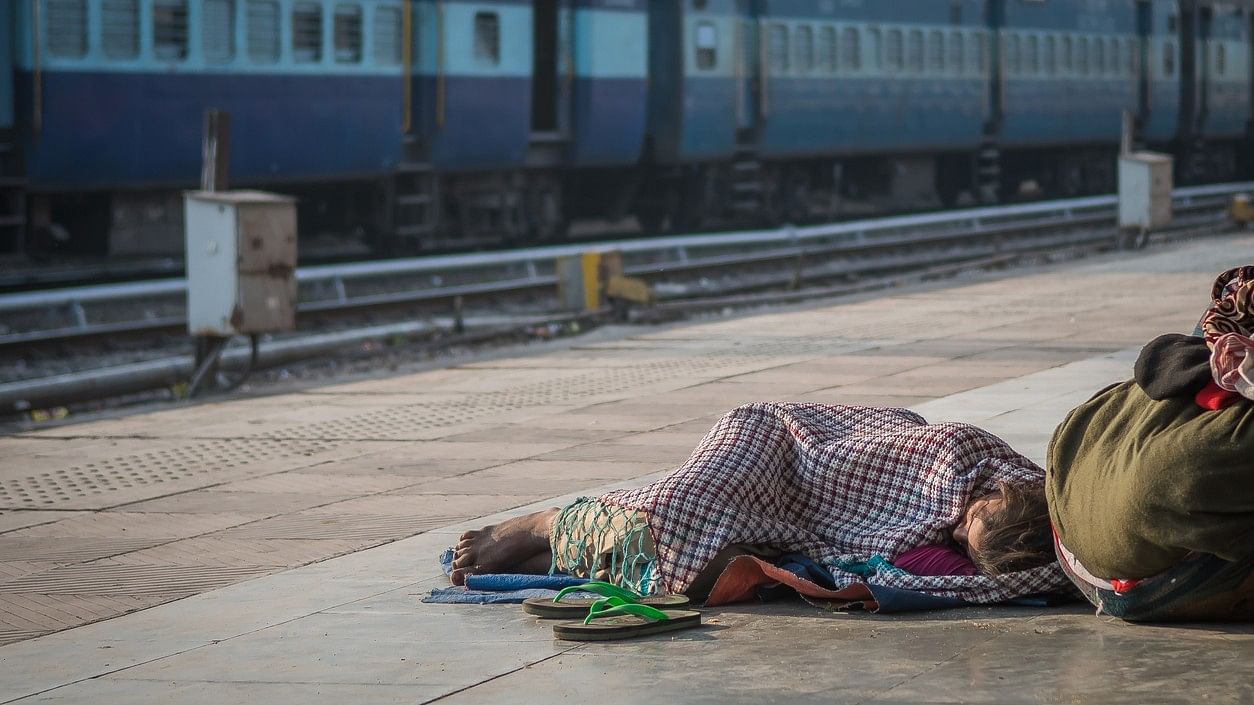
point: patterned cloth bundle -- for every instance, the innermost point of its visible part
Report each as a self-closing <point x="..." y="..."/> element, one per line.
<point x="1227" y="327"/>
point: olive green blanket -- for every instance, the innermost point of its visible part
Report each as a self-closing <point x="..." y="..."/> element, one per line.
<point x="1135" y="484"/>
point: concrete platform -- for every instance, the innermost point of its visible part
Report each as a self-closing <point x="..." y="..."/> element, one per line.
<point x="198" y="516"/>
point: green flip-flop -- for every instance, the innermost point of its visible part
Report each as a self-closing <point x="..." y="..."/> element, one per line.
<point x="557" y="608"/>
<point x="612" y="618"/>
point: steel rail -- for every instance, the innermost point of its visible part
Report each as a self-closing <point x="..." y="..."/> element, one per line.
<point x="325" y="288"/>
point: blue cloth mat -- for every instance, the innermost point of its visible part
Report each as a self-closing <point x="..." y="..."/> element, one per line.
<point x="513" y="589"/>
<point x="503" y="588"/>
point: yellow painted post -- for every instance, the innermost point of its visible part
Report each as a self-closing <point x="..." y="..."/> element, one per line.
<point x="590" y="265"/>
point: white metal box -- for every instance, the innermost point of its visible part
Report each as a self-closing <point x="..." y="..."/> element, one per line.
<point x="241" y="262"/>
<point x="1145" y="185"/>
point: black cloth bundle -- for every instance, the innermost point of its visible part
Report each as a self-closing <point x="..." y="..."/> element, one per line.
<point x="1173" y="365"/>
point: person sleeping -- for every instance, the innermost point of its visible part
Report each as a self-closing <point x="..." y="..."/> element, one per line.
<point x="871" y="495"/>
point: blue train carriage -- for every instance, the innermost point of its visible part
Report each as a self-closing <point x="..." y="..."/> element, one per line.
<point x="111" y="96"/>
<point x="1068" y="70"/>
<point x="1215" y="89"/>
<point x="514" y="103"/>
<point x="860" y="89"/>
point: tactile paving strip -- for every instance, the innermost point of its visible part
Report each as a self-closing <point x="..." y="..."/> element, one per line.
<point x="200" y="459"/>
<point x="410" y="420"/>
<point x="132" y="580"/>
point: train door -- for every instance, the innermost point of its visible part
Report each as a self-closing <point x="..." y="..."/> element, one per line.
<point x="748" y="67"/>
<point x="994" y="20"/>
<point x="1203" y="62"/>
<point x="552" y="67"/>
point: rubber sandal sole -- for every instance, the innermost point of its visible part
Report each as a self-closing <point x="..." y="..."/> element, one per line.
<point x="626" y="627"/>
<point x="544" y="608"/>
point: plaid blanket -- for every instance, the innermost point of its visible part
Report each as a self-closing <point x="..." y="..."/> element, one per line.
<point x="838" y="484"/>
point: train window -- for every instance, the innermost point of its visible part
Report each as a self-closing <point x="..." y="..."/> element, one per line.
<point x="1221" y="59"/>
<point x="875" y="50"/>
<point x="218" y="24"/>
<point x="387" y="36"/>
<point x="956" y="61"/>
<point x="1112" y="46"/>
<point x="805" y="49"/>
<point x="894" y="50"/>
<point x="778" y="46"/>
<point x="1082" y="56"/>
<point x="66" y="25"/>
<point x="262" y="31"/>
<point x="169" y="29"/>
<point x="307" y="32"/>
<point x="1068" y="55"/>
<point x="1050" y="62"/>
<point x="119" y="28"/>
<point x="1099" y="57"/>
<point x="1013" y="64"/>
<point x="936" y="52"/>
<point x="978" y="54"/>
<point x="1133" y="57"/>
<point x="346" y="32"/>
<point x="851" y="49"/>
<point x="706" y="44"/>
<point x="1032" y="54"/>
<point x="914" y="51"/>
<point x="488" y="38"/>
<point x="827" y="49"/>
<point x="1169" y="59"/>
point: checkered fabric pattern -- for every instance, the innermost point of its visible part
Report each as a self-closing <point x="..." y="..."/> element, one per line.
<point x="836" y="483"/>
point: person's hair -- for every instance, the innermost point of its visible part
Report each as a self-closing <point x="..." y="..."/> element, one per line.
<point x="1017" y="536"/>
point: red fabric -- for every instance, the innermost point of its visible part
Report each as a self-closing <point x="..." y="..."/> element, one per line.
<point x="935" y="560"/>
<point x="1213" y="397"/>
<point x="740" y="580"/>
<point x="1122" y="586"/>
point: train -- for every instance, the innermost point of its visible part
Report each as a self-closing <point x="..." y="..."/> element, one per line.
<point x="446" y="124"/>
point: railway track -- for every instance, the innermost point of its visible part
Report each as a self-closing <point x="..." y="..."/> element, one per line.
<point x="505" y="291"/>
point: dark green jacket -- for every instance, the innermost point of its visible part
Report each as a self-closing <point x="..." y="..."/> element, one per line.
<point x="1135" y="484"/>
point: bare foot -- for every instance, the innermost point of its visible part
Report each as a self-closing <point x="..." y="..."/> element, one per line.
<point x="503" y="547"/>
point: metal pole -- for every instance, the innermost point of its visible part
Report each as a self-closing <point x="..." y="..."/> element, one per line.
<point x="215" y="165"/>
<point x="216" y="151"/>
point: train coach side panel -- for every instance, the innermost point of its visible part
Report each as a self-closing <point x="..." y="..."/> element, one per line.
<point x="859" y="77"/>
<point x="147" y="128"/>
<point x="123" y="109"/>
<point x="1069" y="70"/>
<point x="1227" y="70"/>
<point x="472" y="82"/>
<point x="610" y="48"/>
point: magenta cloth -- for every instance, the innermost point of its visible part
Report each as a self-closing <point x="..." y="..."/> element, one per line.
<point x="935" y="560"/>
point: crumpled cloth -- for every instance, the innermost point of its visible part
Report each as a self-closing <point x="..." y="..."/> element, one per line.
<point x="839" y="484"/>
<point x="1232" y="365"/>
<point x="1228" y="327"/>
